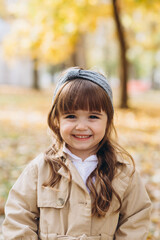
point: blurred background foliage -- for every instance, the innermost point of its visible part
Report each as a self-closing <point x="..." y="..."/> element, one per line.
<point x="39" y="38"/>
<point x="120" y="36"/>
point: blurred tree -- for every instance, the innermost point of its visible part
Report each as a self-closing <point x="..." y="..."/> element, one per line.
<point x="79" y="55"/>
<point x="35" y="74"/>
<point x="143" y="34"/>
<point x="137" y="23"/>
<point x="53" y="31"/>
<point x="123" y="58"/>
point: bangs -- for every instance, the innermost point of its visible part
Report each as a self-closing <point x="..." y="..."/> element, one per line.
<point x="80" y="94"/>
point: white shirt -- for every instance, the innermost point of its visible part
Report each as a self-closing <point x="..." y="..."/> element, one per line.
<point x="84" y="167"/>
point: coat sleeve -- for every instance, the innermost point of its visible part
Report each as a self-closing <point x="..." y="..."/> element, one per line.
<point x="135" y="211"/>
<point x="21" y="212"/>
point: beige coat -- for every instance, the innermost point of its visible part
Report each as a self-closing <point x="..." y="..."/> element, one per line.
<point x="64" y="213"/>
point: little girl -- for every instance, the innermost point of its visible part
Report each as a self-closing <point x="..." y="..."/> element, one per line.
<point x="85" y="187"/>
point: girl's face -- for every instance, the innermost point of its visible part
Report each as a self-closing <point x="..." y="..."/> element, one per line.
<point x="82" y="131"/>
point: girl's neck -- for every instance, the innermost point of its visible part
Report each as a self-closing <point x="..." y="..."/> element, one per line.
<point x="83" y="155"/>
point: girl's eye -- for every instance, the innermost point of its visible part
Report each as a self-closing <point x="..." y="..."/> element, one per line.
<point x="93" y="117"/>
<point x="70" y="116"/>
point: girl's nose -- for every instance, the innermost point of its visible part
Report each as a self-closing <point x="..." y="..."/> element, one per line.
<point x="81" y="125"/>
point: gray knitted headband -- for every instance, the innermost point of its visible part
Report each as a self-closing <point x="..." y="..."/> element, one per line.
<point x="95" y="77"/>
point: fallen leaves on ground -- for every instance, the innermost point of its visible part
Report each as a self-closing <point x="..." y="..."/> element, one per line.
<point x="24" y="134"/>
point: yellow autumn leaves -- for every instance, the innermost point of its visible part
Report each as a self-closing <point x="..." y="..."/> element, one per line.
<point x="49" y="30"/>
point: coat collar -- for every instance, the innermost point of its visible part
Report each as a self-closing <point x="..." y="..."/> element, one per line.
<point x="75" y="174"/>
<point x="62" y="155"/>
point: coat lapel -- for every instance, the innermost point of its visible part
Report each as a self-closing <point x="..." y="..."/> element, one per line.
<point x="76" y="178"/>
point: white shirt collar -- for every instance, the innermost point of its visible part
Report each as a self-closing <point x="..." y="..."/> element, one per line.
<point x="73" y="157"/>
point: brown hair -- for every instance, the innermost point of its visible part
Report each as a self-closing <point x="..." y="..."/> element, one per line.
<point x="80" y="94"/>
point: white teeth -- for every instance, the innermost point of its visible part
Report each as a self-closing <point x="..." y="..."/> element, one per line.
<point x="81" y="136"/>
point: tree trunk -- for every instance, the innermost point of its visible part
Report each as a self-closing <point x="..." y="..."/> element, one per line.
<point x="123" y="59"/>
<point x="79" y="55"/>
<point x="35" y="74"/>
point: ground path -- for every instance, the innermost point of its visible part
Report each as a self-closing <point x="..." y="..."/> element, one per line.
<point x="24" y="134"/>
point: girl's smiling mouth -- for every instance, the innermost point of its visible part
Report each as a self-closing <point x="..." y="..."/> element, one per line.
<point x="82" y="136"/>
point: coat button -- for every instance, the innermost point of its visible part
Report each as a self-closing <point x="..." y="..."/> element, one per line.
<point x="60" y="202"/>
